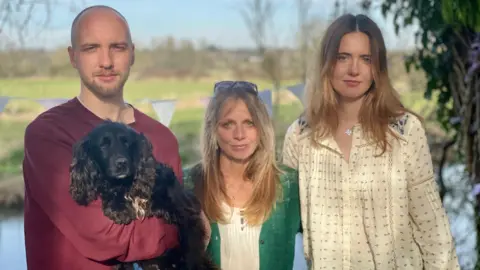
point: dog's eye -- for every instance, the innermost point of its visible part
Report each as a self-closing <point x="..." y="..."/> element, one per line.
<point x="106" y="141"/>
<point x="123" y="140"/>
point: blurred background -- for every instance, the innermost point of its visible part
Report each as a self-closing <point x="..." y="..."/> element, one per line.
<point x="183" y="47"/>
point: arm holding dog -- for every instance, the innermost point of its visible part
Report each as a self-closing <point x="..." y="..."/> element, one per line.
<point x="93" y="234"/>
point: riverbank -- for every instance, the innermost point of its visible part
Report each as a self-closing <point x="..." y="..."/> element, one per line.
<point x="12" y="193"/>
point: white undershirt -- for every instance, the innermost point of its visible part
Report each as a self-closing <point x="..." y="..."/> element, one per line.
<point x="239" y="247"/>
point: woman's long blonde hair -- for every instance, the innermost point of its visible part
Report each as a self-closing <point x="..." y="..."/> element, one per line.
<point x="262" y="168"/>
<point x="382" y="102"/>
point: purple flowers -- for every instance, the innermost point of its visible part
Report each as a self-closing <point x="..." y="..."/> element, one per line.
<point x="476" y="190"/>
<point x="474" y="59"/>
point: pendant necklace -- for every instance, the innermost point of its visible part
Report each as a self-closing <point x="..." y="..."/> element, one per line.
<point x="348" y="131"/>
<point x="242" y="220"/>
<point x="241" y="213"/>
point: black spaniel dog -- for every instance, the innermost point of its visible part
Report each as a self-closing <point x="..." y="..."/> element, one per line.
<point x="115" y="163"/>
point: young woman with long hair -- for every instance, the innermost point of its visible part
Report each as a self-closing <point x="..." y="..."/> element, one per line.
<point x="368" y="195"/>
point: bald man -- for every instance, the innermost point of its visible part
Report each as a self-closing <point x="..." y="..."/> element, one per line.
<point x="59" y="234"/>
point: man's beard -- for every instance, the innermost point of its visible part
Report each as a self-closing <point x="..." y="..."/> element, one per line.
<point x="102" y="91"/>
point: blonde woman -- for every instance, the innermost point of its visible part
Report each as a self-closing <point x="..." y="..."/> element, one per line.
<point x="368" y="195"/>
<point x="252" y="203"/>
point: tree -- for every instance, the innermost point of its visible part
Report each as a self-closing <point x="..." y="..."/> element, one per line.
<point x="448" y="50"/>
<point x="19" y="18"/>
<point x="446" y="33"/>
<point x="258" y="16"/>
<point x="303" y="7"/>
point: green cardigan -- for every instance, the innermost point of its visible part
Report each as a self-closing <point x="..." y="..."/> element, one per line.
<point x="277" y="236"/>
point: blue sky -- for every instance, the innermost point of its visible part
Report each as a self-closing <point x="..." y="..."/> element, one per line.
<point x="215" y="21"/>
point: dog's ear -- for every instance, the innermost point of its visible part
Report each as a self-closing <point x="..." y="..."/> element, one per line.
<point x="84" y="174"/>
<point x="144" y="151"/>
<point x="145" y="166"/>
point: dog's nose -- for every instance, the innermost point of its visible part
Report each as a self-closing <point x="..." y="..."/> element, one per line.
<point x="120" y="162"/>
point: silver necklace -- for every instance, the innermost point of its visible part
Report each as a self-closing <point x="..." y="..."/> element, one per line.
<point x="348" y="131"/>
<point x="234" y="191"/>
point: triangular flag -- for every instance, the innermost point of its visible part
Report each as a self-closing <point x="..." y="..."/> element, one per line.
<point x="164" y="110"/>
<point x="298" y="90"/>
<point x="49" y="103"/>
<point x="266" y="97"/>
<point x="3" y="103"/>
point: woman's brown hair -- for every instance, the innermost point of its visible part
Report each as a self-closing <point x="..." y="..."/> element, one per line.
<point x="382" y="102"/>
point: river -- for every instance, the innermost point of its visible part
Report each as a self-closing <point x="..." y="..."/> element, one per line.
<point x="459" y="208"/>
<point x="12" y="249"/>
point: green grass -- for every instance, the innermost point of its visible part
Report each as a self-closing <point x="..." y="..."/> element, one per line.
<point x="11" y="131"/>
<point x="134" y="90"/>
<point x="11" y="164"/>
<point x="186" y="122"/>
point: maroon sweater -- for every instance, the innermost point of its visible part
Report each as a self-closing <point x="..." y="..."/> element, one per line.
<point x="61" y="235"/>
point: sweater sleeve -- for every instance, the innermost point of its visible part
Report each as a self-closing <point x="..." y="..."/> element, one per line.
<point x="48" y="155"/>
<point x="290" y="146"/>
<point x="431" y="224"/>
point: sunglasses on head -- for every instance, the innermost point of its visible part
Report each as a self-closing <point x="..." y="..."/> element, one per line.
<point x="241" y="85"/>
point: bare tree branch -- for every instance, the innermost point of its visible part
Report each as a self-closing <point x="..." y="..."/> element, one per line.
<point x="303" y="7"/>
<point x="258" y="15"/>
<point x="443" y="189"/>
<point x="18" y="17"/>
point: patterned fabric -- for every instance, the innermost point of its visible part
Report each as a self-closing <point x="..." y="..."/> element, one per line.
<point x="373" y="212"/>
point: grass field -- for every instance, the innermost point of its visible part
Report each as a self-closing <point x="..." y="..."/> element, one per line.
<point x="186" y="122"/>
<point x="134" y="89"/>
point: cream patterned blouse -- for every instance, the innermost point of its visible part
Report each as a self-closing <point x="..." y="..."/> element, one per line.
<point x="373" y="212"/>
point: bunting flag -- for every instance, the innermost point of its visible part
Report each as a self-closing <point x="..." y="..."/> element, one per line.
<point x="298" y="90"/>
<point x="3" y="103"/>
<point x="49" y="103"/>
<point x="164" y="110"/>
<point x="266" y="97"/>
